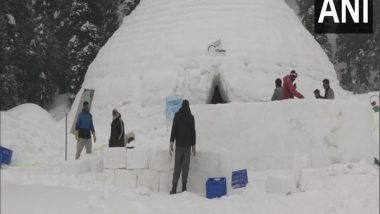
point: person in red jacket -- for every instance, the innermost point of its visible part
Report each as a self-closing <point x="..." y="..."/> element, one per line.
<point x="289" y="90"/>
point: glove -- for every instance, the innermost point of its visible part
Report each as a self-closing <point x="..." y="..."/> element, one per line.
<point x="193" y="150"/>
<point x="171" y="149"/>
<point x="76" y="135"/>
<point x="94" y="136"/>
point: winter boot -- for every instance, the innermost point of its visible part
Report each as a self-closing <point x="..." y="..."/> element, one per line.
<point x="174" y="190"/>
<point x="184" y="187"/>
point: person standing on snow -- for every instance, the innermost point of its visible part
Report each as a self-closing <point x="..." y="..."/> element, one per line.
<point x="84" y="127"/>
<point x="329" y="93"/>
<point x="277" y="94"/>
<point x="117" y="130"/>
<point x="183" y="133"/>
<point x="289" y="90"/>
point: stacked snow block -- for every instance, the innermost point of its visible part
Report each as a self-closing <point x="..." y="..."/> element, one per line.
<point x="154" y="168"/>
<point x="281" y="184"/>
<point x="86" y="163"/>
<point x="115" y="158"/>
<point x="76" y="167"/>
<point x="313" y="179"/>
<point x="300" y="161"/>
<point x="148" y="178"/>
<point x="125" y="178"/>
<point x="137" y="158"/>
<point x="161" y="161"/>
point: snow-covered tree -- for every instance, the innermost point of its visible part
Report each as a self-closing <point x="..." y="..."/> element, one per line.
<point x="361" y="55"/>
<point x="306" y="13"/>
<point x="84" y="43"/>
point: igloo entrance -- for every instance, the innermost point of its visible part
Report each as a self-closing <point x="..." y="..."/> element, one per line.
<point x="217" y="93"/>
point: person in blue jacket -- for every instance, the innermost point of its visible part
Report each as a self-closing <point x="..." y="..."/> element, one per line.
<point x="84" y="128"/>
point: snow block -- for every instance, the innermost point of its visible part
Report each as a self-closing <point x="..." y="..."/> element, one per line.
<point x="226" y="166"/>
<point x="161" y="160"/>
<point x="148" y="178"/>
<point x="300" y="161"/>
<point x="115" y="157"/>
<point x="96" y="162"/>
<point x="109" y="176"/>
<point x="166" y="179"/>
<point x="338" y="169"/>
<point x="76" y="167"/>
<point x="137" y="158"/>
<point x="281" y="184"/>
<point x="68" y="167"/>
<point x="82" y="166"/>
<point x="313" y="179"/>
<point x="205" y="161"/>
<point x="125" y="178"/>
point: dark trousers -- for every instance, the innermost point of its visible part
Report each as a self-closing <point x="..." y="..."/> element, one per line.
<point x="182" y="163"/>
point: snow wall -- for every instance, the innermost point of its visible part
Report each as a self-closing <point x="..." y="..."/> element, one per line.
<point x="258" y="135"/>
<point x="271" y="135"/>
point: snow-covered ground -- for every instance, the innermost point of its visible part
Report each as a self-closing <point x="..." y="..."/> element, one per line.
<point x="348" y="189"/>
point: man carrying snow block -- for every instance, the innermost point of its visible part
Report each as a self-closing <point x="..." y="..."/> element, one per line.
<point x="288" y="89"/>
<point x="117" y="130"/>
<point x="277" y="94"/>
<point x="84" y="127"/>
<point x="329" y="93"/>
<point x="183" y="132"/>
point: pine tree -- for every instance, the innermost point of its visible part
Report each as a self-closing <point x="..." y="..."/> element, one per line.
<point x="306" y="13"/>
<point x="9" y="87"/>
<point x="361" y="55"/>
<point x="11" y="44"/>
<point x="84" y="43"/>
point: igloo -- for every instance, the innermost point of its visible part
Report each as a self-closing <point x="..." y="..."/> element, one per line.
<point x="166" y="48"/>
<point x="162" y="49"/>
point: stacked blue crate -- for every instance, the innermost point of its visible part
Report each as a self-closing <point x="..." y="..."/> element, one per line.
<point x="5" y="155"/>
<point x="239" y="178"/>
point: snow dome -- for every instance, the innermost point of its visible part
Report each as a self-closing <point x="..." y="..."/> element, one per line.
<point x="166" y="48"/>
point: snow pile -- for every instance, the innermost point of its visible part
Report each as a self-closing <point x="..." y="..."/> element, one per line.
<point x="30" y="132"/>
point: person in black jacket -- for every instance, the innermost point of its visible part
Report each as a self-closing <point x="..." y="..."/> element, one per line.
<point x="183" y="133"/>
<point x="117" y="130"/>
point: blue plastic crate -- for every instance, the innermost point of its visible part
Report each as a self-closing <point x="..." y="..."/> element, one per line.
<point x="239" y="178"/>
<point x="5" y="155"/>
<point x="216" y="187"/>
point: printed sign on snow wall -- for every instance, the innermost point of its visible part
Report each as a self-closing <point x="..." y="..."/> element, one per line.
<point x="173" y="103"/>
